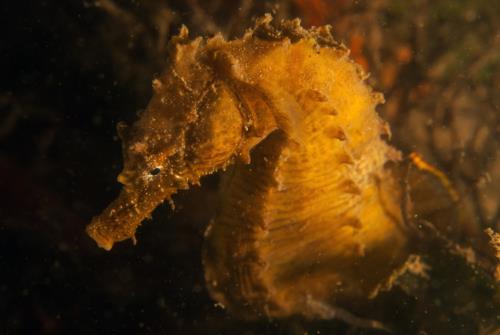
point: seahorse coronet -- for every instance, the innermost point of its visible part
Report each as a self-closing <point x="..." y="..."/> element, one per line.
<point x="310" y="213"/>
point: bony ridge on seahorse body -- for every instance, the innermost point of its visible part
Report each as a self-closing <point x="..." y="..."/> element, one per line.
<point x="310" y="213"/>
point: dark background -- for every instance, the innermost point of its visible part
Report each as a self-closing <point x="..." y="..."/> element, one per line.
<point x="71" y="70"/>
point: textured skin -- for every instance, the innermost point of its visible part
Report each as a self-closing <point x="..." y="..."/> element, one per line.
<point x="310" y="215"/>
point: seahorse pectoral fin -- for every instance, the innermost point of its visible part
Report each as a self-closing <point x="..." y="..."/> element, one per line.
<point x="257" y="108"/>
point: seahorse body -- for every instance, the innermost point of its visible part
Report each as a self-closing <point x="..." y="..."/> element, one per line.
<point x="310" y="213"/>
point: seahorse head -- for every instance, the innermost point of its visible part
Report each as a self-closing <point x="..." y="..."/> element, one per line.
<point x="192" y="126"/>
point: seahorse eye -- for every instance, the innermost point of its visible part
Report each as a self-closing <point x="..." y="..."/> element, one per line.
<point x="155" y="171"/>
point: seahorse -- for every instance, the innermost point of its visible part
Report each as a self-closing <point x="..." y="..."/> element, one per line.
<point x="311" y="214"/>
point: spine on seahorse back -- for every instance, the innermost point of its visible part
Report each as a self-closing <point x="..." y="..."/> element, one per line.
<point x="316" y="208"/>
